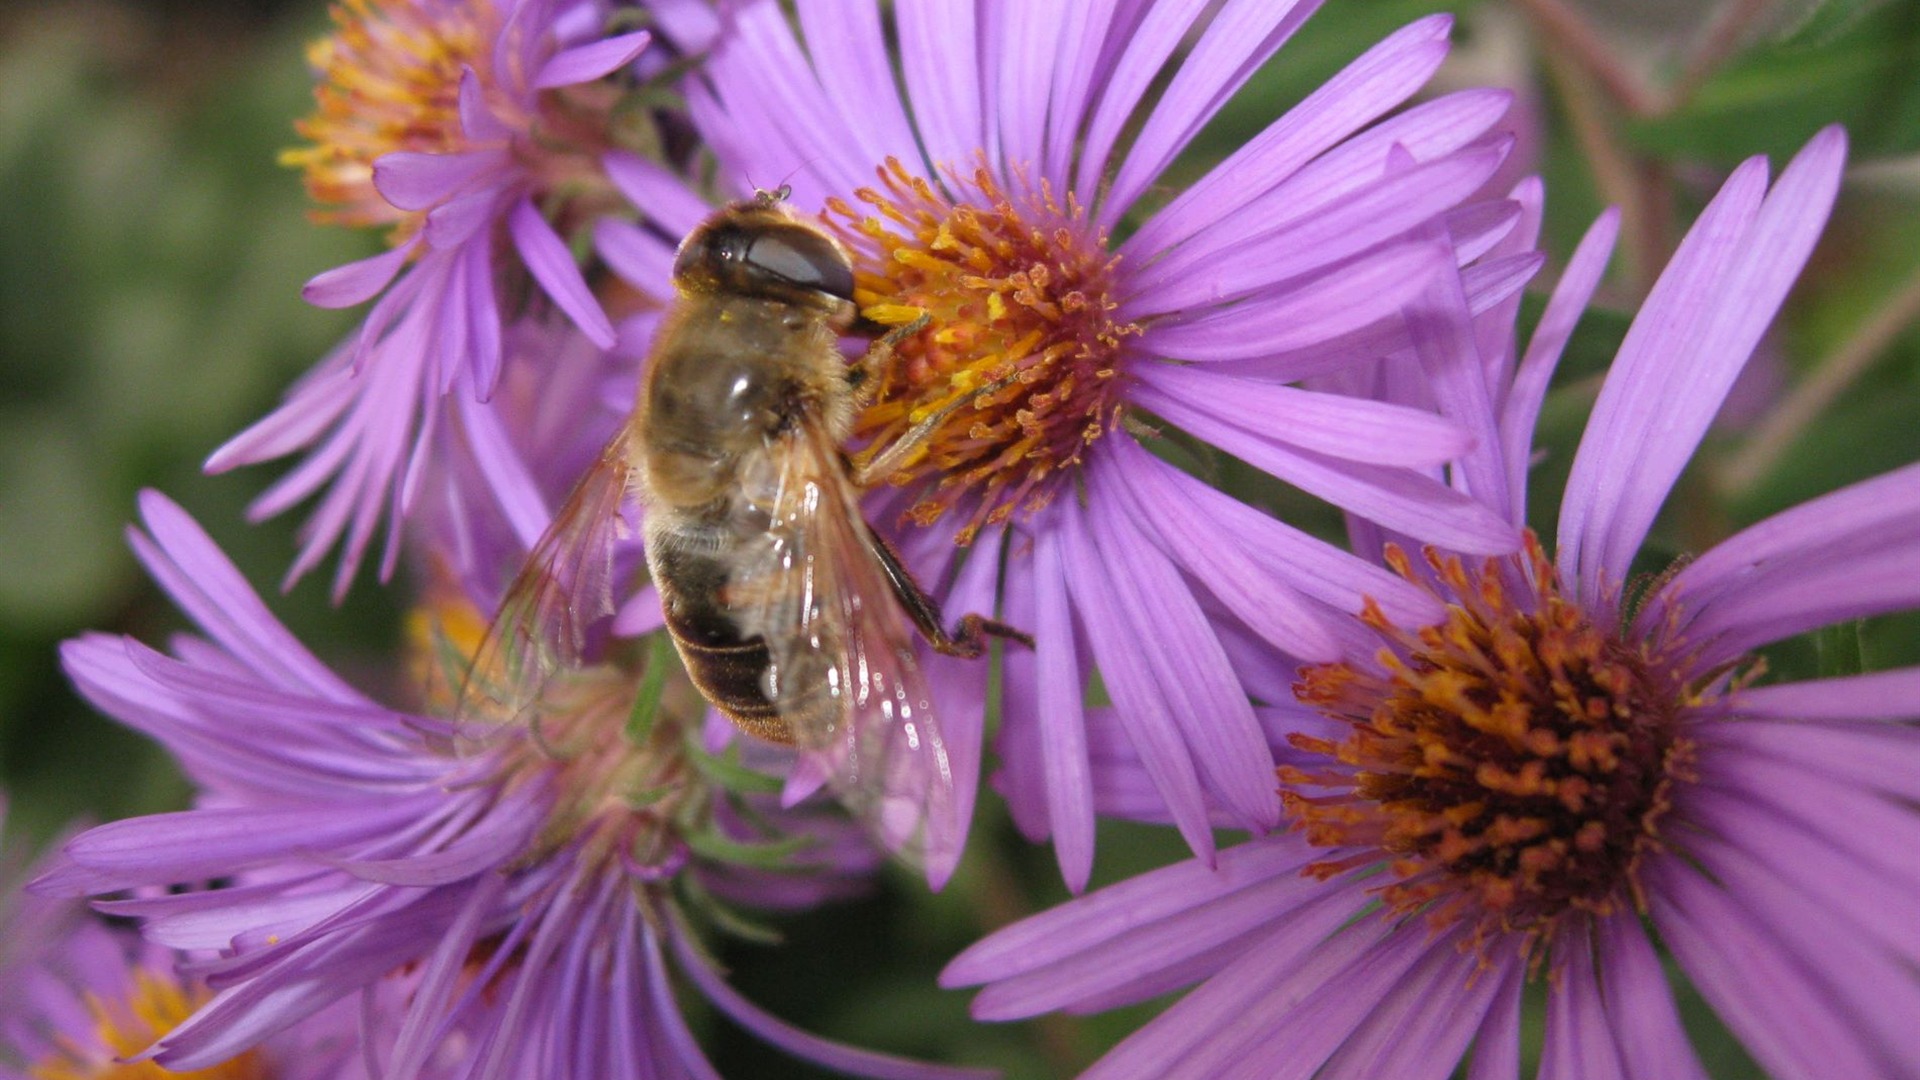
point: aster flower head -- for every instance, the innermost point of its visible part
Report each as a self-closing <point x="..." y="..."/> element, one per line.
<point x="527" y="893"/>
<point x="473" y="131"/>
<point x="85" y="997"/>
<point x="1564" y="761"/>
<point x="1006" y="194"/>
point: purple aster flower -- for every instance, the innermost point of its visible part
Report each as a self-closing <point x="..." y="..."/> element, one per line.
<point x="83" y="997"/>
<point x="1563" y="765"/>
<point x="474" y="129"/>
<point x="998" y="194"/>
<point x="530" y="894"/>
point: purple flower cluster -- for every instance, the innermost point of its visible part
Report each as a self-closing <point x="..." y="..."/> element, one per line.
<point x="1463" y="759"/>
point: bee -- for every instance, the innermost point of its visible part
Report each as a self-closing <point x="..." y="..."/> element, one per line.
<point x="790" y="614"/>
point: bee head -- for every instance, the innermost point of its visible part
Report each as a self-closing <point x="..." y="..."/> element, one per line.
<point x="760" y="247"/>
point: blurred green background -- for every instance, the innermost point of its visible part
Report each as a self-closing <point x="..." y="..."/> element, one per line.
<point x="151" y="254"/>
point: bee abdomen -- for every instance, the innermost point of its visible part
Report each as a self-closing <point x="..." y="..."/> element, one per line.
<point x="734" y="678"/>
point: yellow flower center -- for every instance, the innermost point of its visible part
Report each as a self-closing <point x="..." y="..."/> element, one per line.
<point x="156" y="1005"/>
<point x="1514" y="762"/>
<point x="389" y="80"/>
<point x="1020" y="290"/>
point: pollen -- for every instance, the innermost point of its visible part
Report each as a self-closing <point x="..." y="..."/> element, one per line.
<point x="1022" y="337"/>
<point x="1514" y="763"/>
<point x="389" y="80"/>
<point x="123" y="1028"/>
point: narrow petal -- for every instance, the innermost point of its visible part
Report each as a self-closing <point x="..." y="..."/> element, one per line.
<point x="1690" y="340"/>
<point x="1184" y="673"/>
<point x="1828" y="538"/>
<point x="1105" y="919"/>
<point x="1641" y="1015"/>
<point x="355" y="282"/>
<point x="1354" y="429"/>
<point x="1782" y="1013"/>
<point x="551" y="264"/>
<point x="1259" y="594"/>
<point x="1271" y="248"/>
<point x="1382" y="78"/>
<point x="1496" y="1045"/>
<point x="939" y="56"/>
<point x="1444" y="341"/>
<point x="1880" y="695"/>
<point x="1298" y="315"/>
<point x="417" y="181"/>
<point x="847" y="46"/>
<point x="1153" y="732"/>
<point x="1397" y="498"/>
<point x="585" y="63"/>
<point x="800" y="1044"/>
<point x="660" y="195"/>
<point x="1241" y="36"/>
<point x="1579" y="1040"/>
<point x="1162" y="29"/>
<point x="1549" y="341"/>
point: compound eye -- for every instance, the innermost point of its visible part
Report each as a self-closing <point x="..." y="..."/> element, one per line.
<point x="803" y="258"/>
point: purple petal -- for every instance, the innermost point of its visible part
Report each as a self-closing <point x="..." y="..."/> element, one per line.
<point x="417" y="181"/>
<point x="1640" y="1011"/>
<point x="1421" y="1027"/>
<point x="1184" y="673"/>
<point x="1242" y="35"/>
<point x="1579" y="1038"/>
<point x="1106" y="919"/>
<point x="355" y="282"/>
<point x="1404" y="501"/>
<point x="1787" y="573"/>
<point x="1057" y="676"/>
<point x="185" y="562"/>
<point x="1153" y="732"/>
<point x="1143" y="53"/>
<point x="641" y="259"/>
<point x="1299" y="315"/>
<point x="1690" y="340"/>
<point x="1381" y="79"/>
<point x="1496" y="1046"/>
<point x="800" y="1044"/>
<point x="938" y="56"/>
<point x="1487" y="285"/>
<point x="585" y="63"/>
<point x="1162" y="498"/>
<point x="477" y="121"/>
<point x="658" y="193"/>
<point x="1880" y="695"/>
<point x="1549" y="340"/>
<point x="1285" y="242"/>
<point x="1444" y="341"/>
<point x="1354" y="429"/>
<point x="849" y="54"/>
<point x="1078" y="73"/>
<point x="552" y="265"/>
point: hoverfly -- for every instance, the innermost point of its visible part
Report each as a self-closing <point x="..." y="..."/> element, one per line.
<point x="790" y="614"/>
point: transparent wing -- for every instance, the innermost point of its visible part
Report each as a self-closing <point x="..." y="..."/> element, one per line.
<point x="563" y="588"/>
<point x="843" y="673"/>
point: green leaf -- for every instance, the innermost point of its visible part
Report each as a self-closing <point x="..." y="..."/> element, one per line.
<point x="763" y="855"/>
<point x="653" y="684"/>
<point x="1773" y="98"/>
<point x="1839" y="649"/>
<point x="727" y="771"/>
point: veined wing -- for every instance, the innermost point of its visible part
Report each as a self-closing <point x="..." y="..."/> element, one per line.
<point x="842" y="673"/>
<point x="563" y="588"/>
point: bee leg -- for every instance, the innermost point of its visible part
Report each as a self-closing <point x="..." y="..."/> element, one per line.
<point x="968" y="640"/>
<point x="866" y="372"/>
<point x="910" y="445"/>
